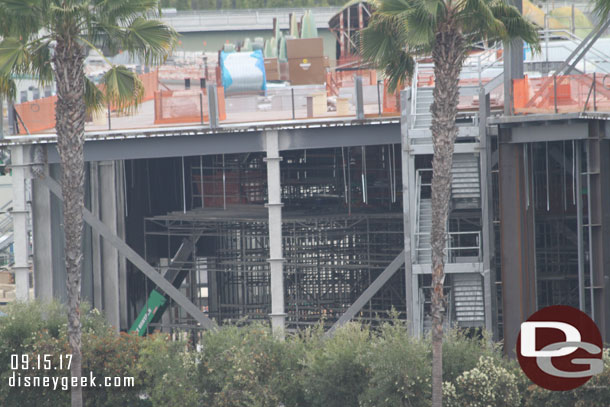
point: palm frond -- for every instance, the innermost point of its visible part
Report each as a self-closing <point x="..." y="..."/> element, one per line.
<point x="13" y="56"/>
<point x="602" y="9"/>
<point x="515" y="24"/>
<point x="8" y="89"/>
<point x="95" y="100"/>
<point x="123" y="89"/>
<point x="384" y="44"/>
<point x="151" y="40"/>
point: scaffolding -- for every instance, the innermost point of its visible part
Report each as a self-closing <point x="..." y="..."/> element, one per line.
<point x="329" y="261"/>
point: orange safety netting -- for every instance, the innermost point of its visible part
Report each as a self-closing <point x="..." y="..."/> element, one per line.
<point x="39" y="115"/>
<point x="561" y="94"/>
<point x="185" y="106"/>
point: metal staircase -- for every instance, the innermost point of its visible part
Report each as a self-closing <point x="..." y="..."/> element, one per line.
<point x="465" y="184"/>
<point x="423" y="101"/>
<point x="468" y="299"/>
<point x="424" y="252"/>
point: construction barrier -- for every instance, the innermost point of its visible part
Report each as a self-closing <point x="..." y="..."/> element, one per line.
<point x="562" y="94"/>
<point x="39" y="115"/>
<point x="186" y="106"/>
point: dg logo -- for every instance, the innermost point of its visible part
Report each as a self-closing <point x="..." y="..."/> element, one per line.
<point x="560" y="348"/>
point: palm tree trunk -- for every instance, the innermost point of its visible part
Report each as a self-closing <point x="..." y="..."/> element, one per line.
<point x="448" y="54"/>
<point x="70" y="126"/>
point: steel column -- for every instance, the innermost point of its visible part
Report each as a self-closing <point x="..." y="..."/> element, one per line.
<point x="598" y="172"/>
<point x="276" y="258"/>
<point x="408" y="210"/>
<point x="487" y="213"/>
<point x="42" y="239"/>
<point x="517" y="239"/>
<point x="21" y="268"/>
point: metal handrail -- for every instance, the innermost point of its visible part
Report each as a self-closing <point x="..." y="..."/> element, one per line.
<point x="449" y="249"/>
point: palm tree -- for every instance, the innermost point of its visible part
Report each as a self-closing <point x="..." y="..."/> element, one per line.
<point x="50" y="39"/>
<point x="403" y="30"/>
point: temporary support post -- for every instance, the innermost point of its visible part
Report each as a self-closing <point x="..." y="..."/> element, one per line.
<point x="486" y="211"/>
<point x="19" y="213"/>
<point x="408" y="173"/>
<point x="100" y="228"/>
<point x="370" y="291"/>
<point x="276" y="257"/>
<point x="518" y="251"/>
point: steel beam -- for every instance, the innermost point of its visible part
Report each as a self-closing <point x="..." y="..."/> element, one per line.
<point x="370" y="291"/>
<point x="100" y="228"/>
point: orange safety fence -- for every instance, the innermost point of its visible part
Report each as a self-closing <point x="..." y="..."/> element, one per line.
<point x="186" y="106"/>
<point x="391" y="101"/>
<point x="345" y="79"/>
<point x="561" y="94"/>
<point x="39" y="115"/>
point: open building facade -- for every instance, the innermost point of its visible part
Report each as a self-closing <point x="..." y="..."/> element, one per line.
<point x="323" y="220"/>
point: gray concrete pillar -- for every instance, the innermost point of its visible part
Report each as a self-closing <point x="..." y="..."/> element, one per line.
<point x="21" y="267"/>
<point x="276" y="259"/>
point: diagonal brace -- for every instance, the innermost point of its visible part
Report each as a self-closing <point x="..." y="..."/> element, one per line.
<point x="368" y="293"/>
<point x="136" y="259"/>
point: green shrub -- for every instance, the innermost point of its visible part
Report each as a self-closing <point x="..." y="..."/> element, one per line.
<point x="335" y="372"/>
<point x="35" y="329"/>
<point x="399" y="368"/>
<point x="489" y="384"/>
<point x="169" y="372"/>
<point x="462" y="352"/>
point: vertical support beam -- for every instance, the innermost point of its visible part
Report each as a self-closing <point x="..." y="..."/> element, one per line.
<point x="42" y="239"/>
<point x="487" y="213"/>
<point x="359" y="98"/>
<point x="212" y="105"/>
<point x="513" y="64"/>
<point x="121" y="189"/>
<point x="21" y="267"/>
<point x="598" y="169"/>
<point x="96" y="256"/>
<point x="110" y="257"/>
<point x="579" y="224"/>
<point x="517" y="239"/>
<point x="408" y="172"/>
<point x="341" y="34"/>
<point x="276" y="258"/>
